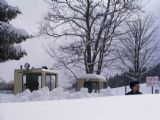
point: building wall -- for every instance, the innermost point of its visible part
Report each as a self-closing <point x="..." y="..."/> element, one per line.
<point x="17" y="82"/>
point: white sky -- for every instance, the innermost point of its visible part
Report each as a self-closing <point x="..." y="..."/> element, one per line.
<point x="33" y="11"/>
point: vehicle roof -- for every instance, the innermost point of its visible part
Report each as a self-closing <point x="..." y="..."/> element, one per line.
<point x="37" y="70"/>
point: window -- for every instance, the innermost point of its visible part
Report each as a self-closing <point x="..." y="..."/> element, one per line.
<point x="31" y="81"/>
<point x="24" y="82"/>
<point x="92" y="86"/>
<point x="40" y="81"/>
<point x="104" y="85"/>
<point x="50" y="81"/>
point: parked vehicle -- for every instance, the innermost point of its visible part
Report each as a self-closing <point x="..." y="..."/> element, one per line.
<point x="34" y="79"/>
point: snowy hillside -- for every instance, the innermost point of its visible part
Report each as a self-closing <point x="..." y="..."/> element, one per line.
<point x="142" y="107"/>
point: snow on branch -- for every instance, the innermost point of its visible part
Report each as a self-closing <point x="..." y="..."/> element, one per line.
<point x="18" y="49"/>
<point x="4" y="4"/>
<point x="11" y="29"/>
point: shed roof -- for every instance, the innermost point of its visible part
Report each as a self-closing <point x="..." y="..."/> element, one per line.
<point x="92" y="77"/>
<point x="48" y="70"/>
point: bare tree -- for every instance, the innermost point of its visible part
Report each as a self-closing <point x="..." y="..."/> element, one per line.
<point x="138" y="48"/>
<point x="87" y="28"/>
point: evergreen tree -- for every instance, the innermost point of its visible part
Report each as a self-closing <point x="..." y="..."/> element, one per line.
<point x="10" y="37"/>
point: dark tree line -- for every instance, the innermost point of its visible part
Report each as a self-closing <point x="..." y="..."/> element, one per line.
<point x="6" y="86"/>
<point x="120" y="80"/>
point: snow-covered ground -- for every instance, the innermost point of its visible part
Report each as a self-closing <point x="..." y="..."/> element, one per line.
<point x="142" y="107"/>
<point x="61" y="105"/>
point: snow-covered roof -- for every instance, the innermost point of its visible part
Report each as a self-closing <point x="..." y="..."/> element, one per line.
<point x="48" y="70"/>
<point x="91" y="77"/>
<point x="38" y="70"/>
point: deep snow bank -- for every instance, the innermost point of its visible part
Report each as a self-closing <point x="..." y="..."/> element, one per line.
<point x="142" y="107"/>
<point x="44" y="94"/>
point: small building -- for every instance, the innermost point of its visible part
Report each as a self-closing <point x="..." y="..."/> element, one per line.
<point x="91" y="81"/>
<point x="34" y="79"/>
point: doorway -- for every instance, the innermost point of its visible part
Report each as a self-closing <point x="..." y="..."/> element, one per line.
<point x="92" y="86"/>
<point x="32" y="81"/>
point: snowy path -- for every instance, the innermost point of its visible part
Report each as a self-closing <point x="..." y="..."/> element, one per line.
<point x="143" y="107"/>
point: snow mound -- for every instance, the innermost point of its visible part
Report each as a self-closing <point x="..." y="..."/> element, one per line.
<point x="44" y="94"/>
<point x="92" y="77"/>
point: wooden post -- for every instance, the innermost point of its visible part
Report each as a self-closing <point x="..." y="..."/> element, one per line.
<point x="125" y="89"/>
<point x="152" y="90"/>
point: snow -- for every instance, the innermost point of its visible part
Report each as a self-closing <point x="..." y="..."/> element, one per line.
<point x="63" y="105"/>
<point x="18" y="48"/>
<point x="142" y="107"/>
<point x="92" y="77"/>
<point x="11" y="29"/>
<point x="48" y="70"/>
<point x="59" y="93"/>
<point x="44" y="94"/>
<point x="4" y="4"/>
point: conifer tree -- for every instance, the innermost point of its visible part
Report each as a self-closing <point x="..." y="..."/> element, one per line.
<point x="10" y="37"/>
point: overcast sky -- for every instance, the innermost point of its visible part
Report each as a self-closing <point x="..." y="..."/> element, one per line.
<point x="33" y="11"/>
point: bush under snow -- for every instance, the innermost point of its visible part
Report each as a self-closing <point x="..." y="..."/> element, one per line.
<point x="44" y="94"/>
